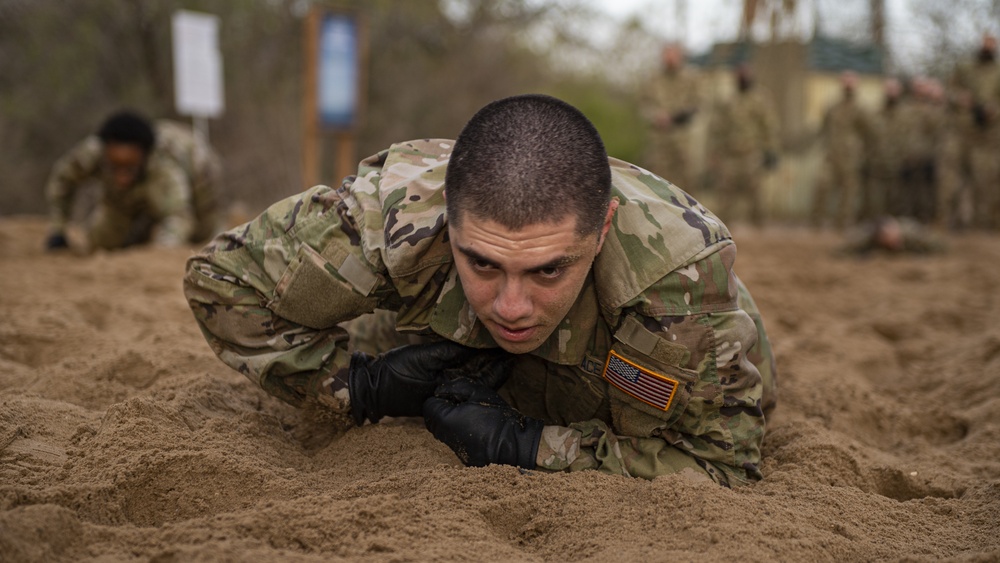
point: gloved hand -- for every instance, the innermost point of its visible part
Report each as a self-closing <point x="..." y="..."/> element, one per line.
<point x="56" y="241"/>
<point x="683" y="117"/>
<point x="980" y="115"/>
<point x="480" y="427"/>
<point x="770" y="160"/>
<point x="397" y="382"/>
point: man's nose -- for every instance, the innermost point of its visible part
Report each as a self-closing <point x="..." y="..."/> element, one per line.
<point x="512" y="302"/>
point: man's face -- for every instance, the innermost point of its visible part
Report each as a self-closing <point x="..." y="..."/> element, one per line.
<point x="989" y="44"/>
<point x="522" y="283"/>
<point x="124" y="163"/>
<point x="672" y="57"/>
<point x="848" y="83"/>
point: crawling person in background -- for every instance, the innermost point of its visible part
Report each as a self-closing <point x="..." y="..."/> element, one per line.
<point x="892" y="235"/>
<point x="586" y="312"/>
<point x="158" y="185"/>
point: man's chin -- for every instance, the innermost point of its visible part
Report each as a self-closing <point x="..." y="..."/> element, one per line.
<point x="516" y="346"/>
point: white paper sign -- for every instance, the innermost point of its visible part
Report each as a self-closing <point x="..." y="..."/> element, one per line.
<point x="197" y="64"/>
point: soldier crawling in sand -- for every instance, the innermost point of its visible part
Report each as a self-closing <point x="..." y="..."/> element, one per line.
<point x="158" y="185"/>
<point x="584" y="313"/>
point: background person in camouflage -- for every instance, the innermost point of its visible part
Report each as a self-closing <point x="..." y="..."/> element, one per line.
<point x="883" y="164"/>
<point x="892" y="235"/>
<point x="846" y="132"/>
<point x="922" y="123"/>
<point x="636" y="349"/>
<point x="951" y="209"/>
<point x="977" y="88"/>
<point x="743" y="143"/>
<point x="158" y="184"/>
<point x="670" y="104"/>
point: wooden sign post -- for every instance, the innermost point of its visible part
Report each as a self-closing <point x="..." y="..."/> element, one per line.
<point x="336" y="53"/>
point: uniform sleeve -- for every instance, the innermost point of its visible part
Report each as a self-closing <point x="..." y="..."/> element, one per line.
<point x="80" y="163"/>
<point x="866" y="130"/>
<point x="693" y="94"/>
<point x="649" y="103"/>
<point x="768" y="124"/>
<point x="170" y="204"/>
<point x="268" y="295"/>
<point x="717" y="127"/>
<point x="714" y="424"/>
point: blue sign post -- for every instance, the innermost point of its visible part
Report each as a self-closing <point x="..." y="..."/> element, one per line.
<point x="338" y="71"/>
<point x="335" y="54"/>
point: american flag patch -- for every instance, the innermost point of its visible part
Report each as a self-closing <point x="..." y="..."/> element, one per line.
<point x="650" y="388"/>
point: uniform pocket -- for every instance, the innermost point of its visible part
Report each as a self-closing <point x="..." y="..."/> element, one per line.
<point x="646" y="395"/>
<point x="313" y="292"/>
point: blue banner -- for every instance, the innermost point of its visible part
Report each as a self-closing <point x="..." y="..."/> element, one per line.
<point x="338" y="71"/>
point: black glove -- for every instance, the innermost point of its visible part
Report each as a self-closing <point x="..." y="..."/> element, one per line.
<point x="56" y="241"/>
<point x="980" y="115"/>
<point x="480" y="427"/>
<point x="398" y="382"/>
<point x="683" y="117"/>
<point x="770" y="160"/>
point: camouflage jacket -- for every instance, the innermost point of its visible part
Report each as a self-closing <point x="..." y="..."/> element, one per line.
<point x="744" y="124"/>
<point x="674" y="95"/>
<point x="847" y="129"/>
<point x="176" y="191"/>
<point x="661" y="305"/>
<point x="886" y="156"/>
<point x="980" y="82"/>
<point x="921" y="129"/>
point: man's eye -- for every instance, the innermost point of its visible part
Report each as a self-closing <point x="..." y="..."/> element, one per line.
<point x="553" y="272"/>
<point x="480" y="264"/>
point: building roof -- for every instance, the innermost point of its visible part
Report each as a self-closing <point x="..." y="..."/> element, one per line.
<point x="827" y="54"/>
<point x="724" y="54"/>
<point x="830" y="54"/>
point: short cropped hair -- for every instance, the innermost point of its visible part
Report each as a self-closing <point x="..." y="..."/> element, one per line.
<point x="526" y="160"/>
<point x="129" y="128"/>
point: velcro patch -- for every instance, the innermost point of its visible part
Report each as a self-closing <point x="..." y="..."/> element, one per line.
<point x="649" y="387"/>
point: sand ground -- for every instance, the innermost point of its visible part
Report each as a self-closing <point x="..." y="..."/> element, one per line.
<point x="123" y="438"/>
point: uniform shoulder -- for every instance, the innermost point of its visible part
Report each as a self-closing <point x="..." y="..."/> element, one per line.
<point x="657" y="228"/>
<point x="398" y="200"/>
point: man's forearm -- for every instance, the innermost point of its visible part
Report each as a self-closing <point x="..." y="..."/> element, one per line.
<point x="592" y="445"/>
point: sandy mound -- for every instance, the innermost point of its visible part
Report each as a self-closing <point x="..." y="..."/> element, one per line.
<point x="122" y="437"/>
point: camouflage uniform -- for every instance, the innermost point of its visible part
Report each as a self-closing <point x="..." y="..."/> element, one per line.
<point x="950" y="177"/>
<point x="922" y="124"/>
<point x="884" y="163"/>
<point x="914" y="238"/>
<point x="672" y="96"/>
<point x="172" y="203"/>
<point x="662" y="295"/>
<point x="981" y="132"/>
<point x="846" y="130"/>
<point x="744" y="130"/>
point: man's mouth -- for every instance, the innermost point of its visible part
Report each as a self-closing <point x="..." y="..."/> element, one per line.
<point x="516" y="334"/>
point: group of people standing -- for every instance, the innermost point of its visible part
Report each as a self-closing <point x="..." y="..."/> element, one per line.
<point x="742" y="141"/>
<point x="928" y="154"/>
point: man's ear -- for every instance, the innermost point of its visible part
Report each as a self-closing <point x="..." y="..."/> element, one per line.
<point x="612" y="207"/>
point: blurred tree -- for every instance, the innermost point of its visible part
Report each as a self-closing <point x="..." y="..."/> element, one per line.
<point x="952" y="30"/>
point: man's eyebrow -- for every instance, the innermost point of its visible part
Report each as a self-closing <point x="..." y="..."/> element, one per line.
<point x="476" y="256"/>
<point x="559" y="262"/>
